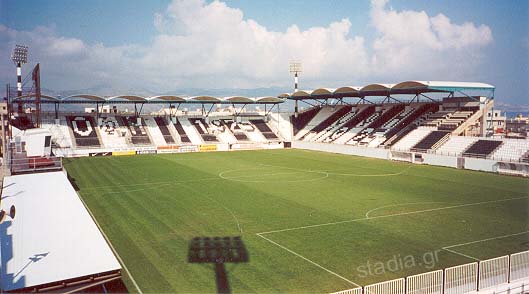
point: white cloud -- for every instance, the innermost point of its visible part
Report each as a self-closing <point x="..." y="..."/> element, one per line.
<point x="414" y="43"/>
<point x="211" y="45"/>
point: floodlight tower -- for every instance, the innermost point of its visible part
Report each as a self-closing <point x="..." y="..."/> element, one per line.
<point x="295" y="68"/>
<point x="19" y="57"/>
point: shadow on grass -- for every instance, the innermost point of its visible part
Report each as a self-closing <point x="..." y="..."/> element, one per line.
<point x="218" y="251"/>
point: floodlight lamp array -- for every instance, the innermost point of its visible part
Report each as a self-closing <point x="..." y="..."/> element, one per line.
<point x="20" y="54"/>
<point x="295" y="67"/>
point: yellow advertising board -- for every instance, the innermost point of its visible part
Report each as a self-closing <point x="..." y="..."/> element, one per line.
<point x="121" y="153"/>
<point x="209" y="147"/>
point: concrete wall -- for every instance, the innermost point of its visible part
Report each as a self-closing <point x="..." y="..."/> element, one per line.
<point x="430" y="159"/>
<point x="481" y="164"/>
<point x="343" y="149"/>
<point x="440" y="160"/>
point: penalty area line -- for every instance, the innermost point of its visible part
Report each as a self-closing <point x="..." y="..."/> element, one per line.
<point x="392" y="215"/>
<point x="459" y="253"/>
<point x="448" y="248"/>
<point x="308" y="260"/>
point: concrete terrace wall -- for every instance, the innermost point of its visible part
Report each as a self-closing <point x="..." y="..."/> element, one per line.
<point x="440" y="160"/>
<point x="430" y="159"/>
<point x="343" y="149"/>
<point x="481" y="164"/>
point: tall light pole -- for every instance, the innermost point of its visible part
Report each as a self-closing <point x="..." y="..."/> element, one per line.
<point x="19" y="57"/>
<point x="295" y="68"/>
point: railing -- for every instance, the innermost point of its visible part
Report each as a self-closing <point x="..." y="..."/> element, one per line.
<point x="35" y="164"/>
<point x="467" y="278"/>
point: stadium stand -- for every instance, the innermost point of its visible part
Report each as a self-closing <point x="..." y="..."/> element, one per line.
<point x="298" y="123"/>
<point x="155" y="132"/>
<point x="60" y="133"/>
<point x="223" y="132"/>
<point x="354" y="125"/>
<point x="511" y="150"/>
<point x="366" y="135"/>
<point x="525" y="157"/>
<point x="328" y="122"/>
<point x="235" y="129"/>
<point x="482" y="148"/>
<point x="264" y="129"/>
<point x="456" y="145"/>
<point x="432" y="141"/>
<point x="181" y="132"/>
<point x="323" y="114"/>
<point x="203" y="129"/>
<point x="251" y="132"/>
<point x="323" y="135"/>
<point x="412" y="138"/>
<point x="164" y="129"/>
<point x="138" y="132"/>
<point x="406" y="125"/>
<point x="191" y="131"/>
<point x="455" y="120"/>
<point x="112" y="135"/>
<point x="83" y="131"/>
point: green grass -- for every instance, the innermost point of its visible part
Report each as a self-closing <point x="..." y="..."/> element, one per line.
<point x="150" y="206"/>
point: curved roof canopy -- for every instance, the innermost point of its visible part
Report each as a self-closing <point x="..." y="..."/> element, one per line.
<point x="322" y="92"/>
<point x="269" y="99"/>
<point x="85" y="96"/>
<point x="205" y="99"/>
<point x="407" y="87"/>
<point x="301" y="94"/>
<point x="239" y="99"/>
<point x="128" y="97"/>
<point x="170" y="98"/>
<point x="42" y="96"/>
<point x="347" y="91"/>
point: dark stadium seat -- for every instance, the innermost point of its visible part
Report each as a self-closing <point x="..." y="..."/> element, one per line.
<point x="482" y="148"/>
<point x="406" y="125"/>
<point x="162" y="125"/>
<point x="183" y="136"/>
<point x="332" y="118"/>
<point x="431" y="141"/>
<point x="203" y="129"/>
<point x="138" y="132"/>
<point x="264" y="129"/>
<point x="303" y="118"/>
<point x="379" y="121"/>
<point x="83" y="130"/>
<point x="237" y="132"/>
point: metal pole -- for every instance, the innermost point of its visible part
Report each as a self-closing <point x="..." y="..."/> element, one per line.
<point x="19" y="79"/>
<point x="295" y="90"/>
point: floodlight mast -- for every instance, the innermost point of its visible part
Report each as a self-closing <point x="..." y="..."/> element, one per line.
<point x="19" y="57"/>
<point x="295" y="68"/>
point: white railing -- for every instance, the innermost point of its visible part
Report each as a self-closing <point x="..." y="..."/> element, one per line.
<point x="427" y="283"/>
<point x="350" y="291"/>
<point x="506" y="271"/>
<point x="389" y="287"/>
<point x="493" y="272"/>
<point x="461" y="278"/>
<point x="519" y="266"/>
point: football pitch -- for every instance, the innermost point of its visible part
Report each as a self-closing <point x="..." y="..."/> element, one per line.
<point x="310" y="221"/>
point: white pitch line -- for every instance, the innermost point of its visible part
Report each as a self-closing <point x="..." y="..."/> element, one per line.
<point x="308" y="260"/>
<point x="459" y="253"/>
<point x="110" y="244"/>
<point x="402" y="204"/>
<point x="391" y="215"/>
<point x="488" y="239"/>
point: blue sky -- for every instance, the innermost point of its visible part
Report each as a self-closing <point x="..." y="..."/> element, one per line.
<point x="345" y="53"/>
